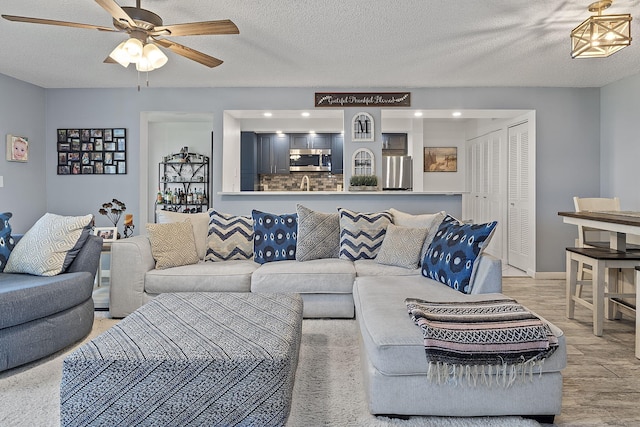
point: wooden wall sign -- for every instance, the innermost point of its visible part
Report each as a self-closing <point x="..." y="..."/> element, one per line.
<point x="363" y="99"/>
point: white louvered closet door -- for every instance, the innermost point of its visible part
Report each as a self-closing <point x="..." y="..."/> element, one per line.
<point x="519" y="214"/>
<point x="495" y="195"/>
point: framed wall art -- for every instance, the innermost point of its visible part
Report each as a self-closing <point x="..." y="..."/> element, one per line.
<point x="17" y="148"/>
<point x="362" y="128"/>
<point x="92" y="151"/>
<point x="440" y="159"/>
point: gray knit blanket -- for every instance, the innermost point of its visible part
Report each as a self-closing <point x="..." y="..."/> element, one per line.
<point x="481" y="341"/>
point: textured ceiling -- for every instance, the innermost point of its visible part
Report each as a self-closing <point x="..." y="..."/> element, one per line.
<point x="325" y="43"/>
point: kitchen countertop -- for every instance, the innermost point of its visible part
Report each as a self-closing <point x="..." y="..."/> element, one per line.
<point x="339" y="193"/>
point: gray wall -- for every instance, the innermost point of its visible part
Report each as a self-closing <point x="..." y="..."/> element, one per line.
<point x="568" y="137"/>
<point x="22" y="113"/>
<point x="620" y="142"/>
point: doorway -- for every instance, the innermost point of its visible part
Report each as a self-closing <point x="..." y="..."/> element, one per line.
<point x="163" y="133"/>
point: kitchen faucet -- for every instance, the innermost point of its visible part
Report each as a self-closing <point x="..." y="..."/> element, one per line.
<point x="304" y="178"/>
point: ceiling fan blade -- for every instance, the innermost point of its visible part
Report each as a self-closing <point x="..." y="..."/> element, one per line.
<point x="53" y="22"/>
<point x="110" y="60"/>
<point x="223" y="26"/>
<point x="116" y="11"/>
<point x="189" y="53"/>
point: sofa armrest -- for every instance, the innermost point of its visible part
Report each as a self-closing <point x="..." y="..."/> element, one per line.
<point x="131" y="259"/>
<point x="487" y="275"/>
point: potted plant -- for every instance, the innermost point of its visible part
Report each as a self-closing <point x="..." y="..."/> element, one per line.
<point x="363" y="183"/>
<point x="113" y="210"/>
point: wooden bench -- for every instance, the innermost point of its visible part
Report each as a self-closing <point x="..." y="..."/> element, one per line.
<point x="604" y="263"/>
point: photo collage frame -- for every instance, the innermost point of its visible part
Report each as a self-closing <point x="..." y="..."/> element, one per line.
<point x="92" y="151"/>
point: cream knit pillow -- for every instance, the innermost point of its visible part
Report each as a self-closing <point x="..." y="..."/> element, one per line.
<point x="173" y="244"/>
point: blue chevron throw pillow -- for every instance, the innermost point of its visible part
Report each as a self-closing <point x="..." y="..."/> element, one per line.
<point x="6" y="241"/>
<point x="452" y="253"/>
<point x="230" y="237"/>
<point x="275" y="236"/>
<point x="361" y="234"/>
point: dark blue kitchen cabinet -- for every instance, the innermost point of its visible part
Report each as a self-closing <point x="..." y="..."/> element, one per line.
<point x="273" y="153"/>
<point x="337" y="148"/>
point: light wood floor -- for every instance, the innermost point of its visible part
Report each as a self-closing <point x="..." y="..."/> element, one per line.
<point x="602" y="380"/>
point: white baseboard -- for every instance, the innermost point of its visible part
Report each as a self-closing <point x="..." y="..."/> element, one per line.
<point x="549" y="275"/>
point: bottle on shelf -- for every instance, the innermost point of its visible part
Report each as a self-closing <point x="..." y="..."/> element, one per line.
<point x="159" y="198"/>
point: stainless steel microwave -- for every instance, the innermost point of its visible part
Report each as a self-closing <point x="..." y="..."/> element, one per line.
<point x="310" y="160"/>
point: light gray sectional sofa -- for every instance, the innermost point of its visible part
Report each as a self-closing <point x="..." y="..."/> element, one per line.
<point x="392" y="349"/>
<point x="394" y="367"/>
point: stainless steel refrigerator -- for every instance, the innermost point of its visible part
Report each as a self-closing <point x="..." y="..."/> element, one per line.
<point x="397" y="173"/>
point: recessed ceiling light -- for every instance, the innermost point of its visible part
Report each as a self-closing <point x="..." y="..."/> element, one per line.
<point x="305" y="114"/>
<point x="312" y="132"/>
<point x="456" y="114"/>
<point x="279" y="132"/>
<point x="267" y="114"/>
<point x="418" y="114"/>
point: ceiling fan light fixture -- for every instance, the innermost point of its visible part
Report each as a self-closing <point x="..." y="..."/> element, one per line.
<point x="600" y="35"/>
<point x="143" y="65"/>
<point x="134" y="48"/>
<point x="154" y="56"/>
<point x="120" y="55"/>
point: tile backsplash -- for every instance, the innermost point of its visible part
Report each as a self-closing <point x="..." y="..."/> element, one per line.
<point x="318" y="181"/>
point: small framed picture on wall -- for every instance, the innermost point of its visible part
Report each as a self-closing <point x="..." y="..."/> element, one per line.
<point x="17" y="148"/>
<point x="440" y="159"/>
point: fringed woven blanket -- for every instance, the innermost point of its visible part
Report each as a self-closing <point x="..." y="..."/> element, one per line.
<point x="481" y="341"/>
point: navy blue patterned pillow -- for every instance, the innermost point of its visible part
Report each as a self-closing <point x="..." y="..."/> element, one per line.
<point x="6" y="241"/>
<point x="274" y="236"/>
<point x="453" y="251"/>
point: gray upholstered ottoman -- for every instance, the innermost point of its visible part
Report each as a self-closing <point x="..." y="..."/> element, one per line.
<point x="215" y="359"/>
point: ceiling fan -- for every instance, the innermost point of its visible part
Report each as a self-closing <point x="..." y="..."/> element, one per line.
<point x="145" y="29"/>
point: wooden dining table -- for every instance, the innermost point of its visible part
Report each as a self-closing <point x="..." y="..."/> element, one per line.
<point x="619" y="224"/>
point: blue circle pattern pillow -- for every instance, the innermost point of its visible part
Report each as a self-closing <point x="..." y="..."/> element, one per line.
<point x="275" y="236"/>
<point x="453" y="251"/>
<point x="6" y="241"/>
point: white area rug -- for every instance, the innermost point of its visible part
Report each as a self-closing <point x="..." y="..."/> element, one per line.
<point x="328" y="388"/>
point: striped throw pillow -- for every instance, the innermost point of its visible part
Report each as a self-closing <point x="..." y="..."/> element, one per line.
<point x="362" y="234"/>
<point x="230" y="237"/>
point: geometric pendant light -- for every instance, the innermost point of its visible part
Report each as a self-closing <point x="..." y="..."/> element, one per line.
<point x="601" y="35"/>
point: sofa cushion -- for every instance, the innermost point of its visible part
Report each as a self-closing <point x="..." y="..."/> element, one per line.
<point x="394" y="345"/>
<point x="24" y="297"/>
<point x="173" y="244"/>
<point x="6" y="240"/>
<point x="401" y="246"/>
<point x="361" y="234"/>
<point x="58" y="240"/>
<point x="199" y="222"/>
<point x="452" y="253"/>
<point x="274" y="237"/>
<point x="318" y="276"/>
<point x="318" y="234"/>
<point x="228" y="276"/>
<point x="429" y="221"/>
<point x="230" y="237"/>
<point x="369" y="267"/>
